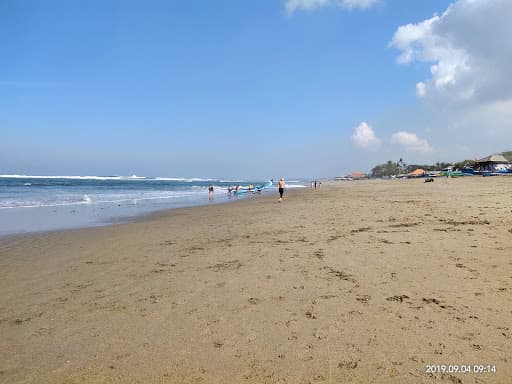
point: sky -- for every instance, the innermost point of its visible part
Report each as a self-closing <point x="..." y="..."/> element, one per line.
<point x="251" y="89"/>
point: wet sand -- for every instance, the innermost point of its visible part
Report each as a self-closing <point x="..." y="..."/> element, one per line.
<point x="357" y="282"/>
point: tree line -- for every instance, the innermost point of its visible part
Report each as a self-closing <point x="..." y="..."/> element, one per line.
<point x="400" y="167"/>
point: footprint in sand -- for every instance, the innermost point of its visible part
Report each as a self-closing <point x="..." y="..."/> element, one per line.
<point x="310" y="315"/>
<point x="348" y="364"/>
<point x="319" y="254"/>
<point x="363" y="298"/>
<point x="340" y="274"/>
<point x="231" y="265"/>
<point x="398" y="298"/>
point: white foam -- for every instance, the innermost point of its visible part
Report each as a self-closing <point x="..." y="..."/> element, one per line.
<point x="170" y="178"/>
<point x="62" y="177"/>
<point x="86" y="199"/>
<point x="133" y="177"/>
<point x="102" y="199"/>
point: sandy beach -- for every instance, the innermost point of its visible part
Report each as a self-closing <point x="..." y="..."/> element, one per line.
<point x="358" y="282"/>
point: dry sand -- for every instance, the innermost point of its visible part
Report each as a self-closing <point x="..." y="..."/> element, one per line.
<point x="357" y="282"/>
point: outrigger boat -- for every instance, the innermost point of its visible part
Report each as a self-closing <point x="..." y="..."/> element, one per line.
<point x="252" y="188"/>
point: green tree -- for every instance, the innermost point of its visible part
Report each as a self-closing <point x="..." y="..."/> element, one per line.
<point x="387" y="169"/>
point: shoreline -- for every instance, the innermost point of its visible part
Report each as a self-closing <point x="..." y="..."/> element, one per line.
<point x="116" y="220"/>
<point x="355" y="282"/>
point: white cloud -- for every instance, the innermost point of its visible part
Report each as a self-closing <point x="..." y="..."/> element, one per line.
<point x="467" y="97"/>
<point x="469" y="47"/>
<point x="361" y="4"/>
<point x="411" y="142"/>
<point x="364" y="136"/>
<point x="309" y="5"/>
<point x="421" y="89"/>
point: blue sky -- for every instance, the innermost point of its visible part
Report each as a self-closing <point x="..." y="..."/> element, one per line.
<point x="299" y="88"/>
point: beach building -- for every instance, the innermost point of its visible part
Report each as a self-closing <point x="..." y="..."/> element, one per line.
<point x="416" y="173"/>
<point x="494" y="163"/>
<point x="358" y="175"/>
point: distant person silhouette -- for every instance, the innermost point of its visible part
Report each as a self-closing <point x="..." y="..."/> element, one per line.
<point x="281" y="185"/>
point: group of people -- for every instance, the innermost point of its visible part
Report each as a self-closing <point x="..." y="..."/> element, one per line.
<point x="281" y="185"/>
<point x="233" y="189"/>
<point x="251" y="188"/>
<point x="316" y="184"/>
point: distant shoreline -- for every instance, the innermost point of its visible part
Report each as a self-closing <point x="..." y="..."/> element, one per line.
<point x="126" y="219"/>
<point x="41" y="204"/>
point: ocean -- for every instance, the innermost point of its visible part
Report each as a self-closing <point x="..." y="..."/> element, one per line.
<point x="43" y="203"/>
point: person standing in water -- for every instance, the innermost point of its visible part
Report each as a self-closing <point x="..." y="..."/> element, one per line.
<point x="210" y="192"/>
<point x="281" y="185"/>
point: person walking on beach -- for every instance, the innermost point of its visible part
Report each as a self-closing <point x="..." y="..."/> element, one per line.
<point x="210" y="192"/>
<point x="281" y="185"/>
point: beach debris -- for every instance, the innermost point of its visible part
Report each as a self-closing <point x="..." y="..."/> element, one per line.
<point x="446" y="376"/>
<point x="333" y="238"/>
<point x="161" y="264"/>
<point x="430" y="301"/>
<point x="437" y="302"/>
<point x="362" y="229"/>
<point x="363" y="298"/>
<point x="319" y="254"/>
<point x="325" y="297"/>
<point x="399" y="298"/>
<point x="340" y="274"/>
<point x="400" y="225"/>
<point x="310" y="315"/>
<point x="319" y="335"/>
<point x="231" y="265"/>
<point x="465" y="222"/>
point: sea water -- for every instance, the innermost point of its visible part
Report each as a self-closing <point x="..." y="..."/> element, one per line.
<point x="42" y="203"/>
